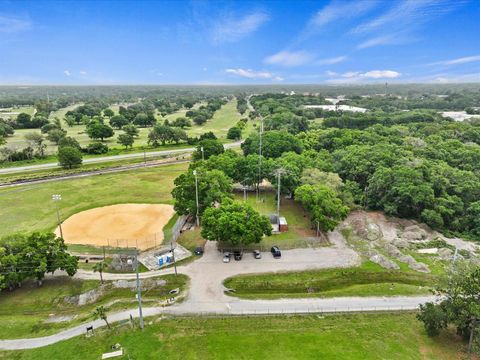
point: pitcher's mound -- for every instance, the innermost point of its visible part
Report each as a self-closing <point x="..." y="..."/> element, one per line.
<point x="123" y="225"/>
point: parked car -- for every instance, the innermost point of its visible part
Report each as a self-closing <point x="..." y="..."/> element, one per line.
<point x="198" y="250"/>
<point x="226" y="257"/>
<point x="237" y="255"/>
<point x="257" y="254"/>
<point x="275" y="250"/>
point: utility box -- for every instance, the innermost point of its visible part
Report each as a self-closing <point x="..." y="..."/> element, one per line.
<point x="282" y="224"/>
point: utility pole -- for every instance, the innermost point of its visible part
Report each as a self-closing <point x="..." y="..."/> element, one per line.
<point x="56" y="198"/>
<point x="260" y="160"/>
<point x="279" y="174"/>
<point x="472" y="331"/>
<point x="203" y="154"/>
<point x="196" y="194"/>
<point x="172" y="250"/>
<point x="139" y="291"/>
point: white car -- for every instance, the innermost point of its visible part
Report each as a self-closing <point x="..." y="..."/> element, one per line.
<point x="226" y="257"/>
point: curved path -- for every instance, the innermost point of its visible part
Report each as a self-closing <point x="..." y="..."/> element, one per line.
<point x="206" y="292"/>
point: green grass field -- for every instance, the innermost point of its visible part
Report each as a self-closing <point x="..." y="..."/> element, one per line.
<point x="23" y="311"/>
<point x="369" y="279"/>
<point x="299" y="233"/>
<point x="29" y="208"/>
<point x="348" y="337"/>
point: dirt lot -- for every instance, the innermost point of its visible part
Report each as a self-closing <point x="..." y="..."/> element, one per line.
<point x="121" y="225"/>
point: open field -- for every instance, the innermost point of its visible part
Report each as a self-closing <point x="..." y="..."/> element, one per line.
<point x="30" y="208"/>
<point x="131" y="224"/>
<point x="367" y="280"/>
<point x="357" y="336"/>
<point x="299" y="233"/>
<point x="25" y="311"/>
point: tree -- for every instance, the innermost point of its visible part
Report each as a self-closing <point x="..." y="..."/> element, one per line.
<point x="200" y="119"/>
<point x="36" y="141"/>
<point x="101" y="313"/>
<point x="179" y="135"/>
<point x="69" y="157"/>
<point x="100" y="267"/>
<point x="131" y="130"/>
<point x="33" y="255"/>
<point x="459" y="292"/>
<point x="69" y="141"/>
<point x="274" y="144"/>
<point x="126" y="140"/>
<point x="325" y="208"/>
<point x="118" y="121"/>
<point x="56" y="135"/>
<point x="210" y="147"/>
<point x="144" y="120"/>
<point x="97" y="148"/>
<point x="23" y="120"/>
<point x="182" y="122"/>
<point x="236" y="223"/>
<point x="108" y="112"/>
<point x="160" y="133"/>
<point x="213" y="186"/>
<point x="70" y="120"/>
<point x="234" y="133"/>
<point x="97" y="130"/>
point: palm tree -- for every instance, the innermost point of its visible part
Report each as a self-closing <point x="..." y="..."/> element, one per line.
<point x="101" y="313"/>
<point x="100" y="267"/>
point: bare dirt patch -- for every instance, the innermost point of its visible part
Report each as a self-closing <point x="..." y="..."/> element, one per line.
<point x="124" y="225"/>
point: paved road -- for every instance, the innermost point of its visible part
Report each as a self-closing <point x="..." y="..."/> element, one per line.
<point x="206" y="293"/>
<point x="108" y="158"/>
<point x="116" y="169"/>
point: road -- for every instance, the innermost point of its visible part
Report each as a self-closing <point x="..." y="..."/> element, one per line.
<point x="101" y="159"/>
<point x="206" y="293"/>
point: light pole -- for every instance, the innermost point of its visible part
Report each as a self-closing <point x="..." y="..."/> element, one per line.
<point x="196" y="194"/>
<point x="139" y="291"/>
<point x="203" y="154"/>
<point x="56" y="198"/>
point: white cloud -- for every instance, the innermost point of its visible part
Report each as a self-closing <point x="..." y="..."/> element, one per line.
<point x="67" y="73"/>
<point x="401" y="21"/>
<point x="331" y="73"/>
<point x="454" y="78"/>
<point x="340" y="10"/>
<point x="231" y="30"/>
<point x="408" y="12"/>
<point x="356" y="76"/>
<point x="458" y="61"/>
<point x="331" y="61"/>
<point x="379" y="40"/>
<point x="289" y="58"/>
<point x="9" y="24"/>
<point x="251" y="74"/>
<point x="381" y="74"/>
<point x="83" y="72"/>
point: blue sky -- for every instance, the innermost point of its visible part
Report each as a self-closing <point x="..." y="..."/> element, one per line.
<point x="239" y="42"/>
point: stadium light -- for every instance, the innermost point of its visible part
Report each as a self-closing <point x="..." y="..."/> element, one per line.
<point x="56" y="198"/>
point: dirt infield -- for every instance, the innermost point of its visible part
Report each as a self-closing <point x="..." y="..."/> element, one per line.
<point x="124" y="225"/>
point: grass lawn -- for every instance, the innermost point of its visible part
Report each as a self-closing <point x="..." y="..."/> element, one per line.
<point x="299" y="233"/>
<point x="29" y="208"/>
<point x="348" y="337"/>
<point x="23" y="311"/>
<point x="369" y="279"/>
